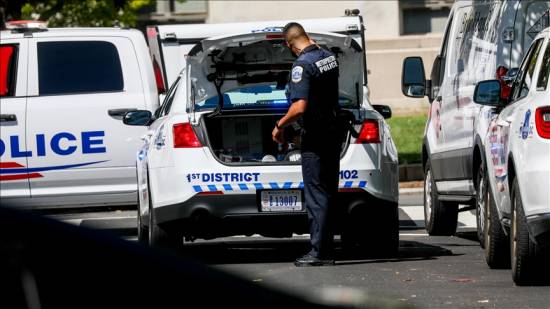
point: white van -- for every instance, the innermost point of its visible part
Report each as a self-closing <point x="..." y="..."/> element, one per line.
<point x="63" y="93"/>
<point x="483" y="40"/>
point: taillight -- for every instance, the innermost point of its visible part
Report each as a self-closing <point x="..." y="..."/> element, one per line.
<point x="370" y="132"/>
<point x="158" y="77"/>
<point x="542" y="120"/>
<point x="505" y="88"/>
<point x="6" y="55"/>
<point x="274" y="37"/>
<point x="185" y="137"/>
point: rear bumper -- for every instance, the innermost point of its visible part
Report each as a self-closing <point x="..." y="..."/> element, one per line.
<point x="539" y="229"/>
<point x="210" y="216"/>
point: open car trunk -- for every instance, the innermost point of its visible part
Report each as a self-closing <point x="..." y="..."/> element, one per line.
<point x="246" y="139"/>
<point x="240" y="81"/>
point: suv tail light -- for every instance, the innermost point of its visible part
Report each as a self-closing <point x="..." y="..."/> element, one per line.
<point x="542" y="121"/>
<point x="184" y="136"/>
<point x="370" y="132"/>
<point x="158" y="77"/>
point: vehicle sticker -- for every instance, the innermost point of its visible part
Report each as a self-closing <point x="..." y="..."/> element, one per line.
<point x="225" y="187"/>
<point x="16" y="171"/>
<point x="223" y="177"/>
<point x="297" y="74"/>
<point x="61" y="143"/>
<point x="526" y="130"/>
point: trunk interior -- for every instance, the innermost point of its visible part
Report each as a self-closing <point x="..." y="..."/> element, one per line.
<point x="246" y="139"/>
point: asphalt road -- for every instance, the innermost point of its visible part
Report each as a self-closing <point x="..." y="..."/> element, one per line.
<point x="429" y="272"/>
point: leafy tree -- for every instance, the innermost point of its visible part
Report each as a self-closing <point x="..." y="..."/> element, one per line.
<point x="85" y="13"/>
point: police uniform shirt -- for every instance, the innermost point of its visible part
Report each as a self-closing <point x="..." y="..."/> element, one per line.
<point x="314" y="78"/>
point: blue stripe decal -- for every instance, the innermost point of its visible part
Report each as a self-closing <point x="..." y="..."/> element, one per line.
<point x="287" y="185"/>
<point x="348" y="184"/>
<point x="227" y="187"/>
<point x="274" y="185"/>
<point x="243" y="186"/>
<point x="212" y="188"/>
<point x="258" y="186"/>
<point x="46" y="168"/>
<point x="197" y="188"/>
<point x="362" y="184"/>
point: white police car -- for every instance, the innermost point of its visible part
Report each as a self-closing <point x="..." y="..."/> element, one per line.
<point x="63" y="93"/>
<point x="517" y="148"/>
<point x="210" y="167"/>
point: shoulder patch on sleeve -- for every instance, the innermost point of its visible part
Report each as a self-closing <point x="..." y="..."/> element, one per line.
<point x="297" y="74"/>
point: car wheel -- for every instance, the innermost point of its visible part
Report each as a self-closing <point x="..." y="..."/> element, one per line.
<point x="142" y="230"/>
<point x="159" y="237"/>
<point x="481" y="204"/>
<point x="440" y="217"/>
<point x="497" y="246"/>
<point x="523" y="250"/>
<point x="372" y="230"/>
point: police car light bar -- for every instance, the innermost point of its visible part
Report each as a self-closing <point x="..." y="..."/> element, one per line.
<point x="26" y="25"/>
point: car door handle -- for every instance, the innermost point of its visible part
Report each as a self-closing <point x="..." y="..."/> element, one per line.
<point x="7" y="117"/>
<point x="120" y="111"/>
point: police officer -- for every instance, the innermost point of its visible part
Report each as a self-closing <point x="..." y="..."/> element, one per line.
<point x="313" y="92"/>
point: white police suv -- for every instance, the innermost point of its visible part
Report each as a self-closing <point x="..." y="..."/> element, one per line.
<point x="210" y="167"/>
<point x="63" y="93"/>
<point x="517" y="148"/>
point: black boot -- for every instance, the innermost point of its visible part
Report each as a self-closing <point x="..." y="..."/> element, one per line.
<point x="309" y="260"/>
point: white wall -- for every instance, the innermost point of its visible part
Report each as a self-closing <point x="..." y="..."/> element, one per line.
<point x="381" y="17"/>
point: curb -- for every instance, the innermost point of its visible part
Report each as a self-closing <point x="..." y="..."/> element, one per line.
<point x="411" y="190"/>
<point x="411" y="172"/>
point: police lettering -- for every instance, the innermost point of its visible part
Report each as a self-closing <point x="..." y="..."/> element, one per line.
<point x="62" y="143"/>
<point x="230" y="177"/>
<point x="326" y="64"/>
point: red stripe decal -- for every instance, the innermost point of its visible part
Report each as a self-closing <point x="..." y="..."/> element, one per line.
<point x="20" y="176"/>
<point x="10" y="165"/>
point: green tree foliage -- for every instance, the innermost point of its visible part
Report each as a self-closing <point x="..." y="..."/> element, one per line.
<point x="85" y="13"/>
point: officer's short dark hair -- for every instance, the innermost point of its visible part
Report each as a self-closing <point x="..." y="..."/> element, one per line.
<point x="293" y="31"/>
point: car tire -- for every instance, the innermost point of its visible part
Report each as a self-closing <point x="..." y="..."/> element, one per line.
<point x="159" y="237"/>
<point x="497" y="245"/>
<point x="481" y="203"/>
<point x="523" y="251"/>
<point x="142" y="230"/>
<point x="372" y="230"/>
<point x="440" y="217"/>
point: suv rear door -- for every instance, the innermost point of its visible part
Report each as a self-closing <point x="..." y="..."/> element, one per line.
<point x="80" y="87"/>
<point x="14" y="178"/>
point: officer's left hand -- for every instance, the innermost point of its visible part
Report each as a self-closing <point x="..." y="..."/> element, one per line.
<point x="277" y="135"/>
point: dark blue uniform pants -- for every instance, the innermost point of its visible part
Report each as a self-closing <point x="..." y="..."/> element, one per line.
<point x="320" y="171"/>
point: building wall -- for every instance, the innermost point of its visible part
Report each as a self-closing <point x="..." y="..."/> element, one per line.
<point x="376" y="13"/>
<point x="384" y="23"/>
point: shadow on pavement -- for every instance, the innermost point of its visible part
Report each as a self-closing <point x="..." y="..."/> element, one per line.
<point x="287" y="250"/>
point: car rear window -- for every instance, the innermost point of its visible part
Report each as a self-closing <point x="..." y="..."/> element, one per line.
<point x="8" y="69"/>
<point x="542" y="82"/>
<point x="256" y="97"/>
<point x="78" y="67"/>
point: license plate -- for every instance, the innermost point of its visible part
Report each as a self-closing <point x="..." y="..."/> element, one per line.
<point x="281" y="200"/>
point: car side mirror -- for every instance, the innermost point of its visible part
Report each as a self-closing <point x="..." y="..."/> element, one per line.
<point x="138" y="118"/>
<point x="384" y="110"/>
<point x="488" y="93"/>
<point x="413" y="78"/>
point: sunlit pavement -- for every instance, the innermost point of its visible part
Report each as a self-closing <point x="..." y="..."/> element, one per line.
<point x="430" y="272"/>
